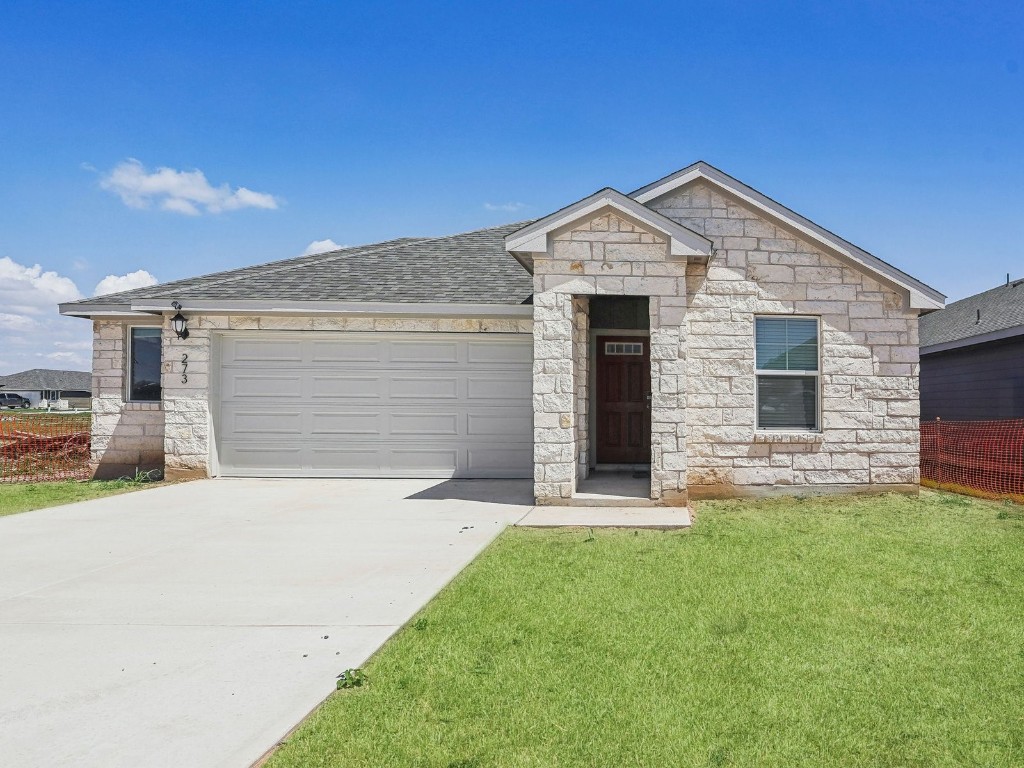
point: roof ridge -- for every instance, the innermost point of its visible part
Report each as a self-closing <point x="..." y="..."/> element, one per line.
<point x="1011" y="284"/>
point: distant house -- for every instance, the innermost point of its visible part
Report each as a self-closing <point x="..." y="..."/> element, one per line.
<point x="972" y="357"/>
<point x="46" y="384"/>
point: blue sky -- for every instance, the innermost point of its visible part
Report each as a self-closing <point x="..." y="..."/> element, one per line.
<point x="897" y="125"/>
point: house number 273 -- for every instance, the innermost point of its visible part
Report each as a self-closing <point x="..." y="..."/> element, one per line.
<point x="184" y="368"/>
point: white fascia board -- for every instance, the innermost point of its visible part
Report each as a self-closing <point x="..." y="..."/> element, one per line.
<point x="921" y="296"/>
<point x="100" y="310"/>
<point x="269" y="307"/>
<point x="533" y="239"/>
<point x="970" y="341"/>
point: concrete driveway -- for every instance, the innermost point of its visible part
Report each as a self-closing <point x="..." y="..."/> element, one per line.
<point x="195" y="624"/>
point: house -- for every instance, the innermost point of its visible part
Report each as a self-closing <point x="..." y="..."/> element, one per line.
<point x="695" y="331"/>
<point x="41" y="384"/>
<point x="972" y="357"/>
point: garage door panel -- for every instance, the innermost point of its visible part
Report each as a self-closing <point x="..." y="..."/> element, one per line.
<point x="499" y="353"/>
<point x="433" y="424"/>
<point x="358" y="387"/>
<point x="406" y="387"/>
<point x="509" y="391"/>
<point x="511" y="425"/>
<point x="246" y="422"/>
<point x="376" y="405"/>
<point x="356" y="461"/>
<point x="424" y="459"/>
<point x="347" y="352"/>
<point x="263" y="457"/>
<point x="262" y="350"/>
<point x="424" y="351"/>
<point x="265" y="385"/>
<point x="347" y="423"/>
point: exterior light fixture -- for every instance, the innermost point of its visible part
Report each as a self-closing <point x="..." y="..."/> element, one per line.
<point x="179" y="323"/>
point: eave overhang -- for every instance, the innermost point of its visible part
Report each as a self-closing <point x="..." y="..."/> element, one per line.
<point x="982" y="338"/>
<point x="159" y="306"/>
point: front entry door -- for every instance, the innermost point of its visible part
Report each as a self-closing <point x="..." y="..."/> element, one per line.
<point x="623" y="400"/>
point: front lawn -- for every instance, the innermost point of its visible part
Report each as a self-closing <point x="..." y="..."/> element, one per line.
<point x="22" y="497"/>
<point x="858" y="632"/>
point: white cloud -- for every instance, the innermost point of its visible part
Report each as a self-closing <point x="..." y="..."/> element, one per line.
<point x="31" y="291"/>
<point x="186" y="192"/>
<point x="321" y="246"/>
<point x="34" y="333"/>
<point x="505" y="207"/>
<point x="117" y="283"/>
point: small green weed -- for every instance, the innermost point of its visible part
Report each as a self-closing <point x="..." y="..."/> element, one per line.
<point x="351" y="678"/>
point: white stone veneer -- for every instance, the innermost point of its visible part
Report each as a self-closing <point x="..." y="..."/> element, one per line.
<point x="704" y="441"/>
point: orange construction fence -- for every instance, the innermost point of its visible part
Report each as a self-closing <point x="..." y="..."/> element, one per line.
<point x="984" y="458"/>
<point x="36" y="447"/>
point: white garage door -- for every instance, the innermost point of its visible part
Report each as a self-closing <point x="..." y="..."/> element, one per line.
<point x="375" y="405"/>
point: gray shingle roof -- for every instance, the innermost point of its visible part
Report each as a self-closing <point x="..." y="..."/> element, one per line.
<point x="1001" y="308"/>
<point x="45" y="378"/>
<point x="472" y="267"/>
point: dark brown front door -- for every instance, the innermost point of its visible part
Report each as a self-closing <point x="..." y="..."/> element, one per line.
<point x="623" y="405"/>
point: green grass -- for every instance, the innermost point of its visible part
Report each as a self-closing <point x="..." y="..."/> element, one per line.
<point x="23" y="497"/>
<point x="885" y="631"/>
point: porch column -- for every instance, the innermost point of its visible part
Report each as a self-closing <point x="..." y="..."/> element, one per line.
<point x="668" y="399"/>
<point x="581" y="379"/>
<point x="554" y="418"/>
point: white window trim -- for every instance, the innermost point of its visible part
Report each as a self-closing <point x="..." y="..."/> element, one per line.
<point x="128" y="365"/>
<point x="758" y="372"/>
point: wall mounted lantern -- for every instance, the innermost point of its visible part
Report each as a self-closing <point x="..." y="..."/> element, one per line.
<point x="179" y="323"/>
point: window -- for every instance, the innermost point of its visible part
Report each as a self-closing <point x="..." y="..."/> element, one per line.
<point x="144" y="364"/>
<point x="786" y="352"/>
<point x="620" y="348"/>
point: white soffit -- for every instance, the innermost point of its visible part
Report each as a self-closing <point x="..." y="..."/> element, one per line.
<point x="533" y="239"/>
<point x="921" y="296"/>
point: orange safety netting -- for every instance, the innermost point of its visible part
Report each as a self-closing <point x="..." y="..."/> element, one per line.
<point x="44" y="446"/>
<point x="981" y="457"/>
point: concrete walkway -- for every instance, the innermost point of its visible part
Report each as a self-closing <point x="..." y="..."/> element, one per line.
<point x="195" y="624"/>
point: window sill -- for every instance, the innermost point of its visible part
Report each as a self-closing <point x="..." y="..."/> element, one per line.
<point x="788" y="437"/>
<point x="143" y="405"/>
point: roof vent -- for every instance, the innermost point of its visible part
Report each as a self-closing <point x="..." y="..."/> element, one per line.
<point x="979" y="318"/>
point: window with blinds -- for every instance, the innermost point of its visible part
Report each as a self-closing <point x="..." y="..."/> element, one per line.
<point x="787" y="353"/>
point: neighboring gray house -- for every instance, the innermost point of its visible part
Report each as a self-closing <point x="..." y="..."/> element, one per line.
<point x="695" y="329"/>
<point x="46" y="384"/>
<point x="972" y="357"/>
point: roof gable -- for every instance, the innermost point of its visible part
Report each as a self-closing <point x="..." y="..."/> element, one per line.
<point x="922" y="296"/>
<point x="533" y="238"/>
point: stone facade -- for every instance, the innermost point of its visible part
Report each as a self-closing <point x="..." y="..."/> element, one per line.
<point x="126" y="437"/>
<point x="704" y="441"/>
<point x="607" y="255"/>
<point x="869" y="360"/>
<point x="703" y="437"/>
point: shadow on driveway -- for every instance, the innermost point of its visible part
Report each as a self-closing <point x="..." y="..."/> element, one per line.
<point x="515" y="492"/>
